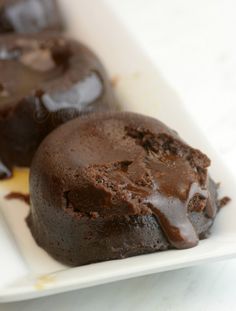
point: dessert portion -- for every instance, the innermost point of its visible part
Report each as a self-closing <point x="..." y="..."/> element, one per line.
<point x="29" y="16"/>
<point x="47" y="81"/>
<point x="113" y="185"/>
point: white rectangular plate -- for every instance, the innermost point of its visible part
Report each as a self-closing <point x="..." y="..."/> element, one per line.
<point x="26" y="271"/>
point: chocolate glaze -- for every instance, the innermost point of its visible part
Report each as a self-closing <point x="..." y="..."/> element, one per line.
<point x="29" y="16"/>
<point x="47" y="81"/>
<point x="118" y="167"/>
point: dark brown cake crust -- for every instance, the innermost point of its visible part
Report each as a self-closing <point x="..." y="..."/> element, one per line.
<point x="114" y="185"/>
<point x="29" y="16"/>
<point x="47" y="81"/>
<point x="80" y="239"/>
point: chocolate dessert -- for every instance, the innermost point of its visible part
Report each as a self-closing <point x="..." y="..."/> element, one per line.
<point x="113" y="185"/>
<point x="29" y="16"/>
<point x="47" y="81"/>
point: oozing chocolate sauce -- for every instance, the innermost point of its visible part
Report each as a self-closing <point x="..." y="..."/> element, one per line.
<point x="176" y="186"/>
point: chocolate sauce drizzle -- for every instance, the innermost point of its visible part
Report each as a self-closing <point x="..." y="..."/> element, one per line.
<point x="18" y="196"/>
<point x="176" y="182"/>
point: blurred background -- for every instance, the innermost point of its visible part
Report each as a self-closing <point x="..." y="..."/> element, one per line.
<point x="193" y="44"/>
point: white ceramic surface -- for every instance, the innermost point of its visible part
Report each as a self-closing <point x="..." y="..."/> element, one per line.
<point x="27" y="271"/>
<point x="207" y="287"/>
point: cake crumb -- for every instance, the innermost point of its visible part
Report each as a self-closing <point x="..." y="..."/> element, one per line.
<point x="115" y="80"/>
<point x="94" y="215"/>
<point x="43" y="281"/>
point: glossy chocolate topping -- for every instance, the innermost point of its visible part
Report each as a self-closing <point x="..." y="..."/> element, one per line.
<point x="29" y="16"/>
<point x="31" y="65"/>
<point x="117" y="164"/>
<point x="47" y="81"/>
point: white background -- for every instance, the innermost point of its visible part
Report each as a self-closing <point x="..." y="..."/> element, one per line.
<point x="194" y="45"/>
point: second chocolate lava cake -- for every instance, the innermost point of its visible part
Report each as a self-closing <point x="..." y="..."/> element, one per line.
<point x="45" y="81"/>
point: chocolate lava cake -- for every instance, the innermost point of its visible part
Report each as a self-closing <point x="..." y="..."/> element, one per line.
<point x="47" y="81"/>
<point x="113" y="185"/>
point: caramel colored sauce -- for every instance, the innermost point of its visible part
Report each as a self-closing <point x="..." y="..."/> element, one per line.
<point x="18" y="183"/>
